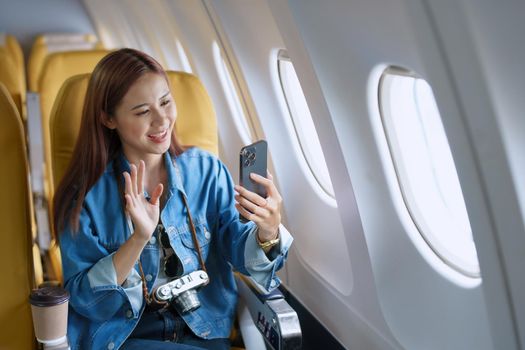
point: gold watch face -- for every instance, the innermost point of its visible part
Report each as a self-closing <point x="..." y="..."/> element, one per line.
<point x="270" y="243"/>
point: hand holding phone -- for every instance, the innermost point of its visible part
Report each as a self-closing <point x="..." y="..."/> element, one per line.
<point x="253" y="159"/>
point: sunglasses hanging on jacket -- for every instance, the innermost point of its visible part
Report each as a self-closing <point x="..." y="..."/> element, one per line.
<point x="172" y="264"/>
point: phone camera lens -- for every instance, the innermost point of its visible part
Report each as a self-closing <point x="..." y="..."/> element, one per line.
<point x="249" y="157"/>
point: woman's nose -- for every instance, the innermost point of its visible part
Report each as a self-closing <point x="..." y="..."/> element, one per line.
<point x="159" y="115"/>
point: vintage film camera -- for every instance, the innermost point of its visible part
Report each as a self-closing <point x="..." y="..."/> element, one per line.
<point x="182" y="292"/>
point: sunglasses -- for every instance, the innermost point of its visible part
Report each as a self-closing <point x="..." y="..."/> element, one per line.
<point x="172" y="264"/>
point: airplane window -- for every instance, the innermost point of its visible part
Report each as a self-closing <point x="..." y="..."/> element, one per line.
<point x="303" y="123"/>
<point x="185" y="62"/>
<point x="425" y="168"/>
<point x="232" y="95"/>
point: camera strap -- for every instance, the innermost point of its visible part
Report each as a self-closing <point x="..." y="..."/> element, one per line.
<point x="147" y="296"/>
<point x="194" y="234"/>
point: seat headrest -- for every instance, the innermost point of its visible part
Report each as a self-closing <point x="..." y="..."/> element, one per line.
<point x="58" y="68"/>
<point x="56" y="42"/>
<point x="15" y="50"/>
<point x="196" y="122"/>
<point x="10" y="77"/>
<point x="12" y="71"/>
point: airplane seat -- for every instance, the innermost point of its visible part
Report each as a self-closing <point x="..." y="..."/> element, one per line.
<point x="46" y="44"/>
<point x="12" y="45"/>
<point x="16" y="254"/>
<point x="196" y="125"/>
<point x="58" y="67"/>
<point x="12" y="72"/>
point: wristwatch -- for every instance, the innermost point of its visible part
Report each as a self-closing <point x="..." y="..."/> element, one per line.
<point x="266" y="246"/>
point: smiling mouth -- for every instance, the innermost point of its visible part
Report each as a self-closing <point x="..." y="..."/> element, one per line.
<point x="159" y="137"/>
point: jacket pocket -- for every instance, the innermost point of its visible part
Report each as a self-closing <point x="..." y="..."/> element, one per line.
<point x="204" y="238"/>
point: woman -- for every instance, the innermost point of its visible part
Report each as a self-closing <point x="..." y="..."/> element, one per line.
<point x="136" y="209"/>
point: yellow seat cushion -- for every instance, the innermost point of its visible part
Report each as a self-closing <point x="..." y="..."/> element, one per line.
<point x="65" y="123"/>
<point x="57" y="69"/>
<point x="16" y="248"/>
<point x="12" y="45"/>
<point x="15" y="51"/>
<point x="196" y="123"/>
<point x="13" y="79"/>
<point x="46" y="44"/>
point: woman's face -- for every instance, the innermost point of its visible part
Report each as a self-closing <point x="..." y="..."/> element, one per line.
<point x="145" y="117"/>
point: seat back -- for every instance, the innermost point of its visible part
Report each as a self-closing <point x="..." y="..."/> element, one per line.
<point x="196" y="123"/>
<point x="46" y="44"/>
<point x="16" y="259"/>
<point x="57" y="69"/>
<point x="13" y="47"/>
<point x="12" y="72"/>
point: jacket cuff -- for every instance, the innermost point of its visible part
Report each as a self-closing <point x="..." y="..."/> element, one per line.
<point x="262" y="270"/>
<point x="104" y="276"/>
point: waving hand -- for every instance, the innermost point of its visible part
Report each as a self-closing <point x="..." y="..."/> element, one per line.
<point x="144" y="214"/>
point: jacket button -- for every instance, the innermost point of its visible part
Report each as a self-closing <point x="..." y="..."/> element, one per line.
<point x="152" y="240"/>
<point x="149" y="277"/>
<point x="111" y="346"/>
<point x="207" y="234"/>
<point x="129" y="314"/>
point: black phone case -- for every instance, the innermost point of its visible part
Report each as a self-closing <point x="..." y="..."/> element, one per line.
<point x="253" y="159"/>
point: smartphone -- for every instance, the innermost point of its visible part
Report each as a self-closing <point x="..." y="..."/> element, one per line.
<point x="253" y="159"/>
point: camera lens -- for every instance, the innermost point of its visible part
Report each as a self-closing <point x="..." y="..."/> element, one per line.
<point x="187" y="301"/>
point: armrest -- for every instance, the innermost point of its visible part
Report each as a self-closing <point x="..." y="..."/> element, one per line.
<point x="276" y="321"/>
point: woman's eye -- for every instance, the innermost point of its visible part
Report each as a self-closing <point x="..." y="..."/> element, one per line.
<point x="143" y="112"/>
<point x="164" y="103"/>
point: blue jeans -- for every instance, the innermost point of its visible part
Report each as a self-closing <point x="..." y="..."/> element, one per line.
<point x="165" y="330"/>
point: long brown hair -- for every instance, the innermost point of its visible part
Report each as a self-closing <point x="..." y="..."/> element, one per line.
<point x="97" y="145"/>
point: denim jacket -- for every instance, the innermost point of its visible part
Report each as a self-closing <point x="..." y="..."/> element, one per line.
<point x="102" y="313"/>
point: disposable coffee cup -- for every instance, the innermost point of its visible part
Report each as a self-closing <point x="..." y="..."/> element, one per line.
<point x="49" y="308"/>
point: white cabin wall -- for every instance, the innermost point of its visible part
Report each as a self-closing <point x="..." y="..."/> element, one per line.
<point x="497" y="29"/>
<point x="25" y="19"/>
<point x="481" y="42"/>
<point x="426" y="304"/>
<point x="148" y="28"/>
